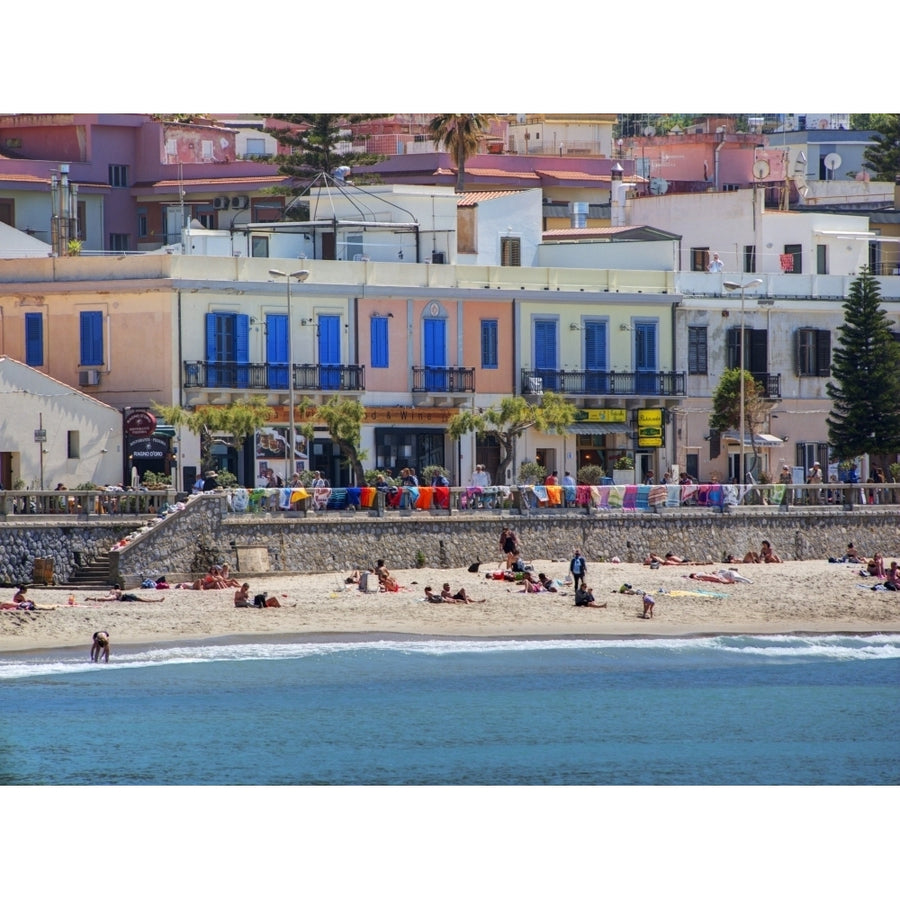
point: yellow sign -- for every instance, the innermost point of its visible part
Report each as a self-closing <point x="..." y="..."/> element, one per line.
<point x="601" y="415"/>
<point x="650" y="427"/>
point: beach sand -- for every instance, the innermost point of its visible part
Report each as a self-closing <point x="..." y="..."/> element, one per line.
<point x="810" y="596"/>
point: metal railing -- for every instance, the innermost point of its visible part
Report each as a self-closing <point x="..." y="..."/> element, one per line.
<point x="539" y="499"/>
<point x="84" y="504"/>
<point x="446" y="379"/>
<point x="273" y="376"/>
<point x="657" y="384"/>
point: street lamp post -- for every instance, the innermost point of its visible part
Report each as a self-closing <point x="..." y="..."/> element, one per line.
<point x="301" y="276"/>
<point x="734" y="286"/>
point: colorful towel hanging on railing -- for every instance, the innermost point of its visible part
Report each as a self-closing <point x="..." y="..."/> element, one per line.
<point x="554" y="495"/>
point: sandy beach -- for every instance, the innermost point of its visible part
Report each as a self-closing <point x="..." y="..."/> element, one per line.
<point x="810" y="596"/>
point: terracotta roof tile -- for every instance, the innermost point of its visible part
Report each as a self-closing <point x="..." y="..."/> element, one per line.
<point x="473" y="198"/>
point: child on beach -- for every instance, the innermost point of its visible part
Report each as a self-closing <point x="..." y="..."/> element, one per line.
<point x="649" y="603"/>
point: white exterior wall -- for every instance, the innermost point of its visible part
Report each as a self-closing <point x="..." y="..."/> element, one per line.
<point x="517" y="216"/>
<point x="725" y="223"/>
<point x="654" y="255"/>
<point x="31" y="401"/>
<point x="33" y="212"/>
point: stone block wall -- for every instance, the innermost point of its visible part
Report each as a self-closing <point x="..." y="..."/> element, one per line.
<point x="187" y="542"/>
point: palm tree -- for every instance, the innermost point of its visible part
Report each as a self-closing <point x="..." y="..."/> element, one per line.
<point x="459" y="134"/>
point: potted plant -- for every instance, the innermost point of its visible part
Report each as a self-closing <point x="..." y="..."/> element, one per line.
<point x="590" y="475"/>
<point x="532" y="473"/>
<point x="623" y="470"/>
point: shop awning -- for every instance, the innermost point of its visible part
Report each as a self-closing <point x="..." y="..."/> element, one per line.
<point x="166" y="431"/>
<point x="599" y="428"/>
<point x="761" y="440"/>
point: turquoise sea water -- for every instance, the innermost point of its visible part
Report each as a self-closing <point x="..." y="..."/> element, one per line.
<point x="772" y="710"/>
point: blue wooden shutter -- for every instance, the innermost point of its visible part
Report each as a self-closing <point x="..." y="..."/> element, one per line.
<point x="330" y="351"/>
<point x="242" y="349"/>
<point x="545" y="363"/>
<point x="91" y="338"/>
<point x="595" y="357"/>
<point x="277" y="350"/>
<point x="34" y="339"/>
<point x="378" y="337"/>
<point x="435" y="336"/>
<point x="489" y="344"/>
<point x="645" y="357"/>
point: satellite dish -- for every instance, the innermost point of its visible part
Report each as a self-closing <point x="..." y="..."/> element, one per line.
<point x="761" y="169"/>
<point x="658" y="186"/>
<point x="649" y="131"/>
<point x="832" y="161"/>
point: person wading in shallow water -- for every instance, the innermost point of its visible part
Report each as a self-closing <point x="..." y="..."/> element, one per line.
<point x="100" y="647"/>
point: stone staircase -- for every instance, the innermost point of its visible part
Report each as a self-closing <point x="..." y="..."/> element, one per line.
<point x="93" y="574"/>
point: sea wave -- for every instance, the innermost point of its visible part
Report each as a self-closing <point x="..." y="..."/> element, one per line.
<point x="784" y="647"/>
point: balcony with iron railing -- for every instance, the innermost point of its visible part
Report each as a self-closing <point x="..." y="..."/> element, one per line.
<point x="580" y="383"/>
<point x="272" y="376"/>
<point x="443" y="379"/>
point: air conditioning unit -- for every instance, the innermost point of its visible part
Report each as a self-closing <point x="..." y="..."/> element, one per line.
<point x="220" y="203"/>
<point x="242" y="201"/>
<point x="89" y="377"/>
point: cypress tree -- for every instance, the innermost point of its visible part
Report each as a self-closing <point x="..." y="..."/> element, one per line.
<point x="865" y="377"/>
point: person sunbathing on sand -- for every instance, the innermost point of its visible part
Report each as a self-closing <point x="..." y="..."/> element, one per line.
<point x="670" y="559"/>
<point x="387" y="581"/>
<point x="116" y="593"/>
<point x="242" y="596"/>
<point x="459" y="597"/>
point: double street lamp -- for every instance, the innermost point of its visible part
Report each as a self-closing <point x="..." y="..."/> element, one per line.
<point x="734" y="286"/>
<point x="301" y="276"/>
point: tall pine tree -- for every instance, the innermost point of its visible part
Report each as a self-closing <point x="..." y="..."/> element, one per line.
<point x="882" y="157"/>
<point x="317" y="143"/>
<point x="865" y="372"/>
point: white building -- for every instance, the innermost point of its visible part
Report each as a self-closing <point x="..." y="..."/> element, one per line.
<point x="50" y="433"/>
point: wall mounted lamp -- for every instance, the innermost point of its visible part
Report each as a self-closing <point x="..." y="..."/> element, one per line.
<point x="624" y="327"/>
<point x="574" y="326"/>
<point x="378" y="315"/>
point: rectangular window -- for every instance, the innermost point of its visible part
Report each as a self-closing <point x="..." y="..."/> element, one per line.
<point x="118" y="175"/>
<point x="749" y="258"/>
<point x="91" y="332"/>
<point x="821" y="259"/>
<point x="259" y="245"/>
<point x="142" y="227"/>
<point x="7" y="212"/>
<point x="810" y="452"/>
<point x="118" y="243"/>
<point x="73" y="444"/>
<point x="378" y="335"/>
<point x="792" y="259"/>
<point x="354" y="247"/>
<point x="256" y="146"/>
<point x="699" y="259"/>
<point x="755" y="350"/>
<point x="34" y="339"/>
<point x="813" y="347"/>
<point x="697" y="352"/>
<point x="510" y="251"/>
<point x="489" y="332"/>
<point x="206" y="149"/>
<point x="82" y="220"/>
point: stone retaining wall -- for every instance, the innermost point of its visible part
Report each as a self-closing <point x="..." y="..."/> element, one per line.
<point x="65" y="545"/>
<point x="204" y="533"/>
<point x="189" y="541"/>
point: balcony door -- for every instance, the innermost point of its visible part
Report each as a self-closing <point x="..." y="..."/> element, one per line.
<point x="646" y="358"/>
<point x="546" y="356"/>
<point x="330" y="352"/>
<point x="596" y="361"/>
<point x="277" y="361"/>
<point x="227" y="350"/>
<point x="435" y="354"/>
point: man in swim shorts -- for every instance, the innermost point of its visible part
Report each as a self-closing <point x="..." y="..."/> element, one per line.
<point x="100" y="647"/>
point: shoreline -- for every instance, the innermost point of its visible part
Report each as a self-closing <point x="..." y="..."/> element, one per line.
<point x="793" y="598"/>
